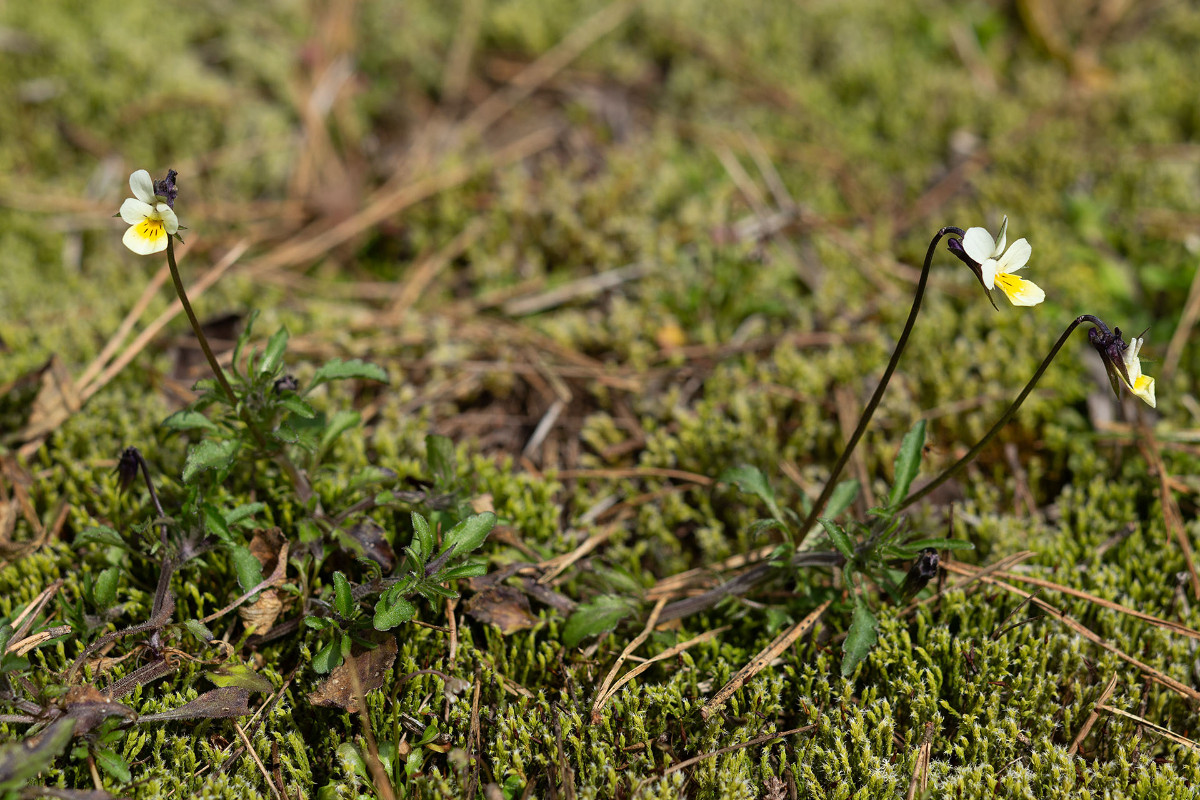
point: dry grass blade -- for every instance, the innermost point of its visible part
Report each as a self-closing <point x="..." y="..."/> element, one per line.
<point x="672" y="585"/>
<point x="254" y="755"/>
<point x="603" y="694"/>
<point x="1092" y="717"/>
<point x="551" y="63"/>
<point x="152" y="330"/>
<point x="920" y="776"/>
<point x="1174" y="737"/>
<point x="770" y="737"/>
<point x="555" y="566"/>
<point x="388" y="202"/>
<point x="1086" y="633"/>
<point x="118" y="338"/>
<point x="1158" y="622"/>
<point x="670" y="652"/>
<point x="782" y="642"/>
<point x="1171" y="516"/>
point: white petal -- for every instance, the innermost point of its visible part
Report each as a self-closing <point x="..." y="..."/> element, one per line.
<point x="1002" y="238"/>
<point x="1016" y="257"/>
<point x="168" y="217"/>
<point x="979" y="244"/>
<point x="134" y="211"/>
<point x="142" y="186"/>
<point x="988" y="270"/>
<point x="141" y="245"/>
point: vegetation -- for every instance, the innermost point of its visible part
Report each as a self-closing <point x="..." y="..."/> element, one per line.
<point x="502" y="455"/>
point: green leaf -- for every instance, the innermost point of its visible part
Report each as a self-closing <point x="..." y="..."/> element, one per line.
<point x="99" y="534"/>
<point x="244" y="511"/>
<point x="241" y="676"/>
<point x="914" y="547"/>
<point x="841" y="498"/>
<point x="209" y="454"/>
<point x="105" y="591"/>
<point x="468" y="535"/>
<point x="243" y="340"/>
<point x="341" y="422"/>
<point x="113" y="764"/>
<point x="297" y="406"/>
<point x="328" y="657"/>
<point x="343" y="599"/>
<point x="273" y="357"/>
<point x="839" y="538"/>
<point x="595" y="618"/>
<point x="198" y="629"/>
<point x="214" y="520"/>
<point x="422" y="536"/>
<point x="189" y="420"/>
<point x="338" y="370"/>
<point x="439" y="452"/>
<point x="248" y="568"/>
<point x="860" y="638"/>
<point x="908" y="463"/>
<point x="468" y="570"/>
<point x="318" y="623"/>
<point x="751" y="481"/>
<point x="761" y="526"/>
<point x="392" y="611"/>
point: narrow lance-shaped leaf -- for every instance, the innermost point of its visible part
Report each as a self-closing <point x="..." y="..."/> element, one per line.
<point x="343" y="600"/>
<point x="839" y="538"/>
<point x="468" y="535"/>
<point x="751" y="481"/>
<point x="273" y="357"/>
<point x="337" y="370"/>
<point x="860" y="638"/>
<point x="908" y="463"/>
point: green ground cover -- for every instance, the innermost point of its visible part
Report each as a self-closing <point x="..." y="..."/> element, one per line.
<point x="684" y="236"/>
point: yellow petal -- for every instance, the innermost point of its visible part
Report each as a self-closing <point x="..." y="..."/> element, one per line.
<point x="147" y="237"/>
<point x="1020" y="292"/>
<point x="1143" y="387"/>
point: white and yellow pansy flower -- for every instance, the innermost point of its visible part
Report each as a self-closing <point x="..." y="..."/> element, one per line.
<point x="996" y="267"/>
<point x="151" y="220"/>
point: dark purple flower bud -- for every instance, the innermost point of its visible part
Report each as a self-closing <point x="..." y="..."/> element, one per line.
<point x="922" y="571"/>
<point x="167" y="189"/>
<point x="287" y="383"/>
<point x="1111" y="347"/>
<point x="955" y="246"/>
<point x="127" y="467"/>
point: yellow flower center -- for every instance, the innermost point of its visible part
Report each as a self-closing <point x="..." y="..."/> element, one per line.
<point x="151" y="229"/>
<point x="1008" y="283"/>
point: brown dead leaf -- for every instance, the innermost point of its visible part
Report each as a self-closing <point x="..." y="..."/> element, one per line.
<point x="89" y="707"/>
<point x="369" y="534"/>
<point x="268" y="545"/>
<point x="338" y="690"/>
<point x="503" y="606"/>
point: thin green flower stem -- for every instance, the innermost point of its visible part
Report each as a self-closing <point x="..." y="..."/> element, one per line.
<point x="299" y="483"/>
<point x="869" y="411"/>
<point x="1000" y="423"/>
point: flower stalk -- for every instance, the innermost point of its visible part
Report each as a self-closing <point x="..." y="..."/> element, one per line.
<point x="819" y="505"/>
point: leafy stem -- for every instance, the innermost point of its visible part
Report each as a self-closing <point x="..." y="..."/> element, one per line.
<point x="299" y="482"/>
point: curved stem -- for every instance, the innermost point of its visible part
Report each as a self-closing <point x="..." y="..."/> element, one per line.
<point x="297" y="478"/>
<point x="869" y="411"/>
<point x="1012" y="409"/>
<point x="200" y="337"/>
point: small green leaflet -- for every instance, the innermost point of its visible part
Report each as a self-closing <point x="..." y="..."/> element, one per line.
<point x="908" y="463"/>
<point x="860" y="638"/>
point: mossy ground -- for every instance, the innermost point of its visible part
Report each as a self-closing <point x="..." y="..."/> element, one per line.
<point x="769" y="173"/>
